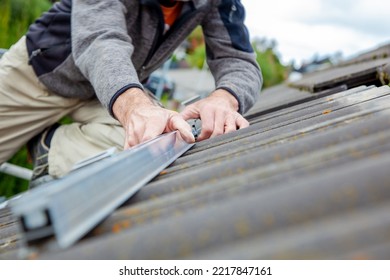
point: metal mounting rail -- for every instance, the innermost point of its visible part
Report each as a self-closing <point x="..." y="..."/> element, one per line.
<point x="71" y="206"/>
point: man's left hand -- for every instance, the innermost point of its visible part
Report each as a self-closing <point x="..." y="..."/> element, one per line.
<point x="218" y="113"/>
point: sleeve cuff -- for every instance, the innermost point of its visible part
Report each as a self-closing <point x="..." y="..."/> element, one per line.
<point x="118" y="93"/>
<point x="235" y="95"/>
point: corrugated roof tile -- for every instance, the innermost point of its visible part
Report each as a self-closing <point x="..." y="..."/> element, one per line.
<point x="309" y="179"/>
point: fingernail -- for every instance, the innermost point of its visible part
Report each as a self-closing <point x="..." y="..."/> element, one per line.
<point x="190" y="137"/>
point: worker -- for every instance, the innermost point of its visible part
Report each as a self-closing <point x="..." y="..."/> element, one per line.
<point x="88" y="60"/>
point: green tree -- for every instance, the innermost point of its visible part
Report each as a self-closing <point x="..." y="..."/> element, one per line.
<point x="196" y="50"/>
<point x="15" y="17"/>
<point x="274" y="72"/>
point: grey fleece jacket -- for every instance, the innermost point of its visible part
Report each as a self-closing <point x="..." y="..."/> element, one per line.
<point x="83" y="48"/>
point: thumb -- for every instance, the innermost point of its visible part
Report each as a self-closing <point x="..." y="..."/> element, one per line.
<point x="178" y="123"/>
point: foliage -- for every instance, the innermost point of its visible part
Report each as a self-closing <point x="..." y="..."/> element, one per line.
<point x="196" y="51"/>
<point x="197" y="58"/>
<point x="10" y="185"/>
<point x="15" y="17"/>
<point x="273" y="71"/>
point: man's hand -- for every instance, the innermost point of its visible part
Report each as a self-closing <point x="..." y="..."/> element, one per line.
<point x="143" y="120"/>
<point x="218" y="113"/>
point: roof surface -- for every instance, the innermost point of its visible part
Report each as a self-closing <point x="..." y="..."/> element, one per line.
<point x="309" y="179"/>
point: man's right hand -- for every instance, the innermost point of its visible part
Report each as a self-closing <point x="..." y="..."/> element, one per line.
<point x="143" y="120"/>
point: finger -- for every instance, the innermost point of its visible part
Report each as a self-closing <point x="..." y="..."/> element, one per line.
<point x="219" y="123"/>
<point x="207" y="117"/>
<point x="135" y="132"/>
<point x="241" y="122"/>
<point x="126" y="145"/>
<point x="178" y="123"/>
<point x="128" y="138"/>
<point x="230" y="124"/>
<point x="190" y="112"/>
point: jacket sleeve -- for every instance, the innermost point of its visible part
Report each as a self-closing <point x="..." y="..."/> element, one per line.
<point x="230" y="55"/>
<point x="102" y="48"/>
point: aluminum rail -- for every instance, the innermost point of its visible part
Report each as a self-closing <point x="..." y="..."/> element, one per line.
<point x="70" y="207"/>
<point x="17" y="171"/>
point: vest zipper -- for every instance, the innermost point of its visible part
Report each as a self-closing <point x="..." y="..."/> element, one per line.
<point x="41" y="51"/>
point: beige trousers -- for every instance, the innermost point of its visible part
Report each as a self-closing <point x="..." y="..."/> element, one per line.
<point x="27" y="108"/>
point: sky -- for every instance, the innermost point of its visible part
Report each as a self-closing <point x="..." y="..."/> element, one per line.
<point x="305" y="28"/>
